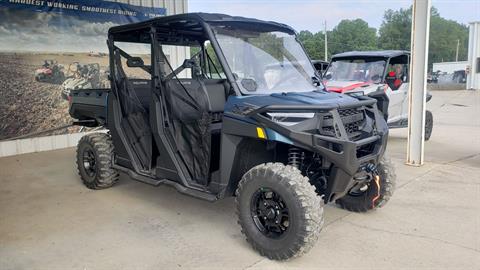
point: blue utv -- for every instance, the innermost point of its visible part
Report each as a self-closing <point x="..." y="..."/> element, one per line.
<point x="219" y="106"/>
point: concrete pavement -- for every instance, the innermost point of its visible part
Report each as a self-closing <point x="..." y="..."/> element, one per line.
<point x="49" y="220"/>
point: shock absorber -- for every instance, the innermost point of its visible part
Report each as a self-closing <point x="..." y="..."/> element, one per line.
<point x="295" y="157"/>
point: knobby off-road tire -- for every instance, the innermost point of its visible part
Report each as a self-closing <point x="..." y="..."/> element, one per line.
<point x="428" y="125"/>
<point x="94" y="161"/>
<point x="304" y="207"/>
<point x="377" y="194"/>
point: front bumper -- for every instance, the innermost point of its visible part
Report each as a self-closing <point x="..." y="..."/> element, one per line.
<point x="348" y="155"/>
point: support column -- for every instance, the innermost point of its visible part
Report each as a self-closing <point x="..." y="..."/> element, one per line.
<point x="417" y="90"/>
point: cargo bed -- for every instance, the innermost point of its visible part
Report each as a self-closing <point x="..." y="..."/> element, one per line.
<point x="89" y="106"/>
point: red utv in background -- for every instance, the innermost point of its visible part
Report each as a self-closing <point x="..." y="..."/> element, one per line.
<point x="50" y="72"/>
<point x="366" y="72"/>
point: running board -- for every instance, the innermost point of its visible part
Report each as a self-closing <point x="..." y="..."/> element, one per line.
<point x="156" y="182"/>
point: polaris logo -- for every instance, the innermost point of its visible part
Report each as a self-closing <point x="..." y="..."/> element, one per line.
<point x="140" y="82"/>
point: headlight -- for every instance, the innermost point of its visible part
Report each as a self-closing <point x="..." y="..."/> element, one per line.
<point x="289" y="119"/>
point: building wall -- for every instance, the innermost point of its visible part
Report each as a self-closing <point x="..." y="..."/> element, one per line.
<point x="449" y="67"/>
<point x="37" y="144"/>
<point x="473" y="77"/>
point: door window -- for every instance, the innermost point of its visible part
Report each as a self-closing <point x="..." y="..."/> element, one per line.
<point x="397" y="72"/>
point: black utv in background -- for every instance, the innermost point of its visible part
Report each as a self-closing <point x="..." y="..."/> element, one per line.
<point x="246" y="116"/>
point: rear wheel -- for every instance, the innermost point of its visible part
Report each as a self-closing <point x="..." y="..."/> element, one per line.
<point x="373" y="195"/>
<point x="279" y="211"/>
<point x="94" y="161"/>
<point x="428" y="125"/>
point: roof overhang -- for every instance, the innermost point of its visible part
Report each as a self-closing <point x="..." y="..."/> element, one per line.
<point x="189" y="24"/>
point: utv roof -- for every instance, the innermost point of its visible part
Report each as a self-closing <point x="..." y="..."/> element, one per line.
<point x="194" y="23"/>
<point x="386" y="54"/>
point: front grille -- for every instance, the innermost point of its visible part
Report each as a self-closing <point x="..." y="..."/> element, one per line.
<point x="348" y="112"/>
<point x="352" y="120"/>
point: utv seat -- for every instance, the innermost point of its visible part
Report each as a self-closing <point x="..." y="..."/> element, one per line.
<point x="142" y="89"/>
<point x="211" y="100"/>
<point x="216" y="91"/>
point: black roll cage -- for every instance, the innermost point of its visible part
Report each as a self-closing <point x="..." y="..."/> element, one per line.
<point x="152" y="32"/>
<point x="184" y="30"/>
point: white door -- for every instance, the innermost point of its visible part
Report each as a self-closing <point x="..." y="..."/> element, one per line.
<point x="397" y="103"/>
<point x="397" y="82"/>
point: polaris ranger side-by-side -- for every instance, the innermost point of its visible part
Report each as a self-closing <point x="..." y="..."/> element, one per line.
<point x="368" y="71"/>
<point x="245" y="115"/>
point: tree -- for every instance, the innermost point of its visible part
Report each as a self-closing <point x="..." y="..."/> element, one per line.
<point x="314" y="43"/>
<point x="351" y="35"/>
<point x="443" y="40"/>
<point x="395" y="30"/>
<point x="348" y="35"/>
<point x="395" y="34"/>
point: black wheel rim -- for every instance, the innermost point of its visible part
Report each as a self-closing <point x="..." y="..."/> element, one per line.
<point x="269" y="213"/>
<point x="89" y="162"/>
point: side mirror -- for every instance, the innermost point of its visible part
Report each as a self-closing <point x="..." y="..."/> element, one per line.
<point x="135" y="62"/>
<point x="328" y="76"/>
<point x="249" y="84"/>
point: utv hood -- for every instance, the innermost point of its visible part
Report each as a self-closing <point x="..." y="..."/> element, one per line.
<point x="344" y="86"/>
<point x="237" y="105"/>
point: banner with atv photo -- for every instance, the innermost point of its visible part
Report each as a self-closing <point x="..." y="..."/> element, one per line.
<point x="48" y="48"/>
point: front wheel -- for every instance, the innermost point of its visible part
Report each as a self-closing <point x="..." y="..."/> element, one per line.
<point x="279" y="211"/>
<point x="428" y="125"/>
<point x="374" y="194"/>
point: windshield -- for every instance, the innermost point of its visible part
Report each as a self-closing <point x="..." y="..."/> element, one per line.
<point x="266" y="62"/>
<point x="364" y="70"/>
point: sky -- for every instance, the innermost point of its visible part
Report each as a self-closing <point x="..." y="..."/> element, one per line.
<point x="310" y="14"/>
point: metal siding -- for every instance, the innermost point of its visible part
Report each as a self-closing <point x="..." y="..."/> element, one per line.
<point x="449" y="67"/>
